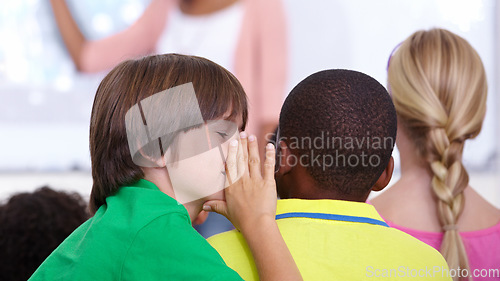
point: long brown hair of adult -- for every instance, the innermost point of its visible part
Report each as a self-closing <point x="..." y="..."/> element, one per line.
<point x="217" y="91"/>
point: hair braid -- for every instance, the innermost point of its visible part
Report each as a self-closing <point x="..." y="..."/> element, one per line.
<point x="439" y="89"/>
<point x="448" y="183"/>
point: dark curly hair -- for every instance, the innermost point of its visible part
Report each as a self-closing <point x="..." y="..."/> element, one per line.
<point x="347" y="116"/>
<point x="32" y="225"/>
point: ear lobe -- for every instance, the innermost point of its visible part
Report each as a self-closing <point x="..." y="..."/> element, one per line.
<point x="161" y="162"/>
<point x="385" y="177"/>
<point x="143" y="159"/>
<point x="284" y="153"/>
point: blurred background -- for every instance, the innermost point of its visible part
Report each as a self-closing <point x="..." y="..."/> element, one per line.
<point x="45" y="103"/>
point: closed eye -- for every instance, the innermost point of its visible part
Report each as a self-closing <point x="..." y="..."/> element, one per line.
<point x="222" y="134"/>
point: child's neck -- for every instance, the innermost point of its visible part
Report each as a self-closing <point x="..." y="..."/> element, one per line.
<point x="194" y="208"/>
<point x="159" y="176"/>
<point x="301" y="185"/>
<point x="415" y="171"/>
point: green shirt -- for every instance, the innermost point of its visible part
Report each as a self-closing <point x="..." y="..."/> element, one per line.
<point x="140" y="234"/>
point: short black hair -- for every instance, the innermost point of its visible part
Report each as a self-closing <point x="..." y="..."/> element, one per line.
<point x="332" y="121"/>
<point x="32" y="225"/>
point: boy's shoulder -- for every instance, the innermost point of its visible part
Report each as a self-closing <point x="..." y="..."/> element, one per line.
<point x="233" y="248"/>
<point x="232" y="239"/>
<point x="390" y="253"/>
<point x="396" y="240"/>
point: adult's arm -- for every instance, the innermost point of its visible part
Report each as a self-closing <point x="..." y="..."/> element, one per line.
<point x="273" y="62"/>
<point x="251" y="206"/>
<point x="97" y="55"/>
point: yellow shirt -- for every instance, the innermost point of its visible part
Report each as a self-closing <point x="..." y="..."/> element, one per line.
<point x="339" y="240"/>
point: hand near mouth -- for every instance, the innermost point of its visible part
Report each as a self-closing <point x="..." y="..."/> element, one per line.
<point x="251" y="206"/>
<point x="250" y="195"/>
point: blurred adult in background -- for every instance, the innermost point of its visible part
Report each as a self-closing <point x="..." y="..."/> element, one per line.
<point x="438" y="85"/>
<point x="247" y="37"/>
<point x="32" y="225"/>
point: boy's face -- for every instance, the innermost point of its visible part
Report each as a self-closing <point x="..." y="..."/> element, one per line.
<point x="199" y="169"/>
<point x="195" y="158"/>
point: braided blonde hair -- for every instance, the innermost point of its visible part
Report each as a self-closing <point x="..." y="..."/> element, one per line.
<point x="438" y="85"/>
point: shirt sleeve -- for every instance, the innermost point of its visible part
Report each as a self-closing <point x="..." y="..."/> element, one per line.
<point x="168" y="248"/>
<point x="273" y="42"/>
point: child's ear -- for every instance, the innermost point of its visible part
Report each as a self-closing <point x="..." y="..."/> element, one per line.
<point x="150" y="158"/>
<point x="385" y="177"/>
<point x="283" y="154"/>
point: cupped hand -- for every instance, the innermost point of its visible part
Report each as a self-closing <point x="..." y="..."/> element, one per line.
<point x="251" y="197"/>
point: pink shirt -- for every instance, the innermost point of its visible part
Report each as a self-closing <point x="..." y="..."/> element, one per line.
<point x="482" y="246"/>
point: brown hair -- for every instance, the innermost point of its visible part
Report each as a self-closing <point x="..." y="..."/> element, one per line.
<point x="217" y="91"/>
<point x="439" y="88"/>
